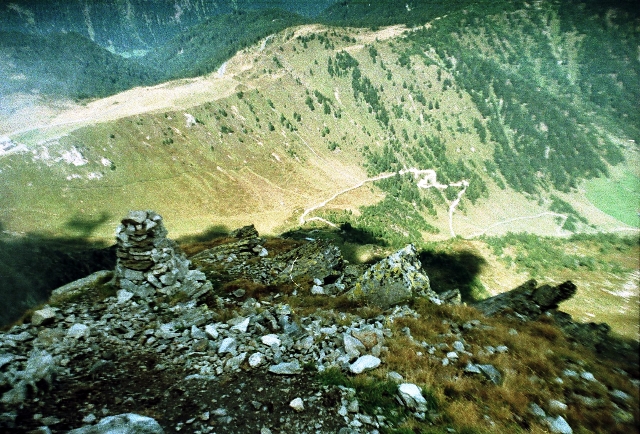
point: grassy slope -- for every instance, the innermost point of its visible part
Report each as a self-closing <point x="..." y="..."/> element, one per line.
<point x="288" y="72"/>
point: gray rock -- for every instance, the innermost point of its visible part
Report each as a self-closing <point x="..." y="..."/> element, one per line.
<point x="368" y="335"/>
<point x="452" y="296"/>
<point x="43" y="316"/>
<point x="79" y="286"/>
<point x="394" y="280"/>
<point x="559" y="425"/>
<point x="472" y="369"/>
<point x="124" y="296"/>
<point x="128" y="423"/>
<point x="78" y="331"/>
<point x="248" y="231"/>
<point x="364" y="363"/>
<point x="196" y="333"/>
<point x="556" y="406"/>
<point x="411" y="396"/>
<point x="40" y="368"/>
<point x="319" y="259"/>
<point x="234" y="363"/>
<point x="256" y="359"/>
<point x="527" y="300"/>
<point x="616" y="395"/>
<point x="228" y="345"/>
<point x="211" y="330"/>
<point x="458" y="346"/>
<point x="135" y="217"/>
<point x="241" y="325"/>
<point x="491" y="373"/>
<point x="286" y="368"/>
<point x="537" y="410"/>
<point x="297" y="404"/>
<point x="588" y="376"/>
<point x="395" y="377"/>
<point x="271" y="340"/>
<point x="6" y="359"/>
<point x="352" y="346"/>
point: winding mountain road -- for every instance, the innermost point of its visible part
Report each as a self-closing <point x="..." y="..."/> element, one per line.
<point x="428" y="178"/>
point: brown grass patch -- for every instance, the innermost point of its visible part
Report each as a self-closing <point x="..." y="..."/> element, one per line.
<point x="464" y="414"/>
<point x="191" y="249"/>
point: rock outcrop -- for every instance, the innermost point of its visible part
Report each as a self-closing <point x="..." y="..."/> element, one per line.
<point x="231" y="363"/>
<point x="149" y="262"/>
<point x="527" y="301"/>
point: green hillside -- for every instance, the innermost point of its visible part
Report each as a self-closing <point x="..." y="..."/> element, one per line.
<point x="204" y="47"/>
<point x="66" y="65"/>
<point x="502" y="106"/>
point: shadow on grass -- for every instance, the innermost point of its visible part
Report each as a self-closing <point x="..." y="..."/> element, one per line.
<point x="86" y="227"/>
<point x="458" y="270"/>
<point x="33" y="265"/>
<point x="211" y="233"/>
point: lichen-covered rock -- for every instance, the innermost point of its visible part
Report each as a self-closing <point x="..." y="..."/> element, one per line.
<point x="396" y="279"/>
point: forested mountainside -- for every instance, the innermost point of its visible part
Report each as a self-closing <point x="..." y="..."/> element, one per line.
<point x="130" y="25"/>
<point x="450" y="117"/>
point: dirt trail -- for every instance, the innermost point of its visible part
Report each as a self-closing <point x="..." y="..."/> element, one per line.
<point x="427" y="179"/>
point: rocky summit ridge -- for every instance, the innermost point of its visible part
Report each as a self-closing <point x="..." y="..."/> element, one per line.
<point x="166" y="343"/>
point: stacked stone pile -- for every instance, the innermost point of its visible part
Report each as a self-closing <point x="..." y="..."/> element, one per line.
<point x="149" y="263"/>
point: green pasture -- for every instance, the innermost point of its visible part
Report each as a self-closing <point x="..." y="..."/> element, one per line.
<point x="619" y="197"/>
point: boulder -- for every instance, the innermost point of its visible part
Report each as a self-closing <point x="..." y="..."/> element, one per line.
<point x="411" y="397"/>
<point x="364" y="363"/>
<point x="43" y="316"/>
<point x="319" y="260"/>
<point x="249" y="231"/>
<point x="394" y="280"/>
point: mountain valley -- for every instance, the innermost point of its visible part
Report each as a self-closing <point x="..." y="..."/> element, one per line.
<point x="498" y="138"/>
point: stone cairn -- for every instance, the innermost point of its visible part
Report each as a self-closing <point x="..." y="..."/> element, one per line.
<point x="149" y="263"/>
